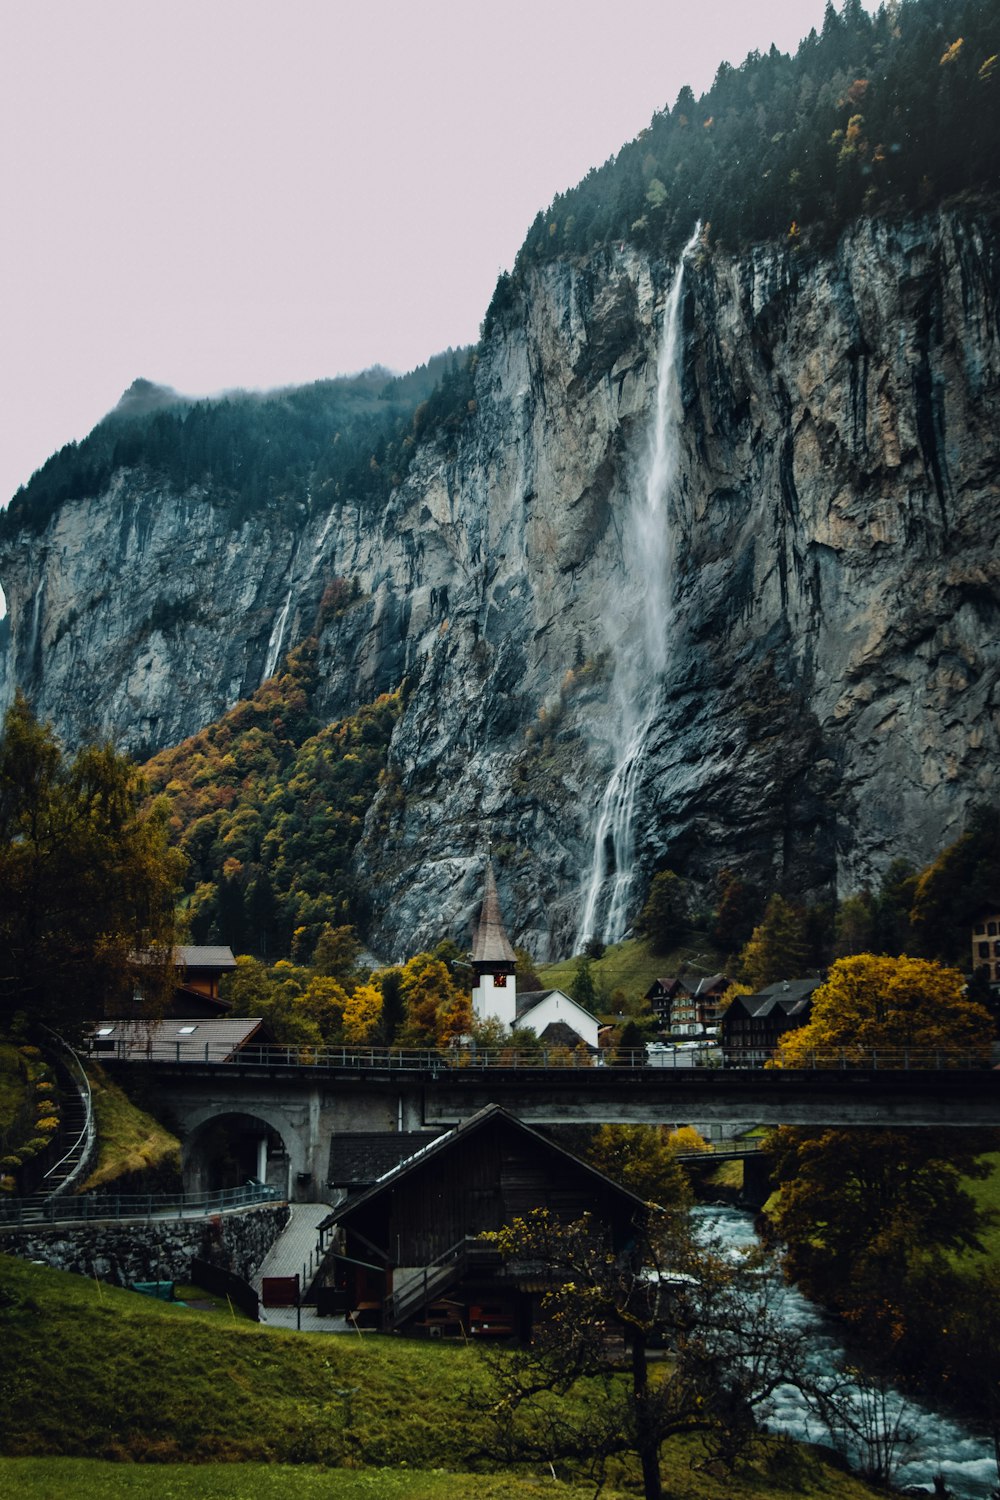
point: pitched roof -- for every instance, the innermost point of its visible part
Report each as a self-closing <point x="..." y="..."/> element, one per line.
<point x="790" y="989"/>
<point x="362" y="1157"/>
<point x="205" y="958"/>
<point x="195" y="1040"/>
<point x="668" y="983"/>
<point x="711" y="982"/>
<point x="491" y="944"/>
<point x="430" y="1152"/>
<point x="528" y="999"/>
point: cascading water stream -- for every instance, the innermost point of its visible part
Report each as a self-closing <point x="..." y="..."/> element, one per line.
<point x="277" y="637"/>
<point x="926" y="1443"/>
<point x="640" y="647"/>
<point x="273" y="658"/>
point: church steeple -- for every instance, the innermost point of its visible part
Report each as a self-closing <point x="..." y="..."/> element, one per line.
<point x="494" y="992"/>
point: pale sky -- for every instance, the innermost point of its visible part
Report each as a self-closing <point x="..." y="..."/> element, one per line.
<point x="213" y="193"/>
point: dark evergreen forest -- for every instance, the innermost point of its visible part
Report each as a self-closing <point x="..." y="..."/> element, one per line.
<point x="294" y="450"/>
<point x="888" y="113"/>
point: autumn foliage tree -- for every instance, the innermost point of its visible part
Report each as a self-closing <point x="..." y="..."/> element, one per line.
<point x="896" y="1006"/>
<point x="642" y="1159"/>
<point x="778" y="948"/>
<point x="438" y="1009"/>
<point x="864" y="1212"/>
<point x="87" y="882"/>
<point x="562" y="1397"/>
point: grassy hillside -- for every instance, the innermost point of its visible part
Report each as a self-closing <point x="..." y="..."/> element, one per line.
<point x="632" y="966"/>
<point x="130" y="1143"/>
<point x="90" y="1370"/>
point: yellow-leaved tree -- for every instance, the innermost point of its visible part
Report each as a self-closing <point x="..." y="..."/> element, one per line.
<point x="362" y="1014"/>
<point x="908" y="1010"/>
<point x="864" y="1214"/>
<point x="437" y="1008"/>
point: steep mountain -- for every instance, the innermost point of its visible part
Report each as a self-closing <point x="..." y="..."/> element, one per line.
<point x="716" y="536"/>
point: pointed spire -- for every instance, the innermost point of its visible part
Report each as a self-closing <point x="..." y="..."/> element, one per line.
<point x="491" y="945"/>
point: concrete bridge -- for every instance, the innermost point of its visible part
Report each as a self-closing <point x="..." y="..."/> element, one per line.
<point x="286" y="1112"/>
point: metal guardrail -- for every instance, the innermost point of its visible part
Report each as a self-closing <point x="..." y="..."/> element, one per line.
<point x="39" y="1209"/>
<point x="84" y="1145"/>
<point x="434" y="1061"/>
<point x="723" y="1150"/>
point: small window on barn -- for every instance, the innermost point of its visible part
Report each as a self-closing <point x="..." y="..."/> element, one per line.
<point x="186" y="1030"/>
<point x="104" y="1030"/>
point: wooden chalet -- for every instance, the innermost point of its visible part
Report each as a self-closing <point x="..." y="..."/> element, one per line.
<point x="407" y="1251"/>
<point x="753" y="1025"/>
<point x="199" y="970"/>
<point x="661" y="995"/>
<point x="986" y="944"/>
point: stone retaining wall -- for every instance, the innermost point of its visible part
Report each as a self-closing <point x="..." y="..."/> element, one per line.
<point x="162" y="1250"/>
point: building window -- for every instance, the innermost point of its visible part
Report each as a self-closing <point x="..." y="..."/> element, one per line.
<point x="984" y="950"/>
<point x="991" y="928"/>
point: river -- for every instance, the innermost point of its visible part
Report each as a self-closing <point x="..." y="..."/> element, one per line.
<point x="926" y="1443"/>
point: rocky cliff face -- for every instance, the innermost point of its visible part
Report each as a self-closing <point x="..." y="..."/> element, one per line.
<point x="831" y="694"/>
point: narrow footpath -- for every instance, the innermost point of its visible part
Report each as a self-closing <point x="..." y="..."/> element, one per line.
<point x="295" y="1249"/>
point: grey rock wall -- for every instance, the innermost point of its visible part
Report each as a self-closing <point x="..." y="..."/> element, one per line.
<point x="831" y="699"/>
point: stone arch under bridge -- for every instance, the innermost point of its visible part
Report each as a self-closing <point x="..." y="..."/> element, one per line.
<point x="226" y="1145"/>
<point x="301" y="1113"/>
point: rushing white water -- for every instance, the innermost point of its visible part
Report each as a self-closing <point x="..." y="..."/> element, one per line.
<point x="272" y="661"/>
<point x="277" y="637"/>
<point x="926" y="1443"/>
<point x="640" y="647"/>
<point x="36" y="625"/>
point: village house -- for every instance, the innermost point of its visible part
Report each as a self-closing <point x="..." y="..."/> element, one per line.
<point x="661" y="995"/>
<point x="407" y="1251"/>
<point x="688" y="1008"/>
<point x="986" y="945"/>
<point x="753" y="1025"/>
<point x="199" y="970"/>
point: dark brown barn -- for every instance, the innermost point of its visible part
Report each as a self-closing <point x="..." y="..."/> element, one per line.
<point x="409" y="1257"/>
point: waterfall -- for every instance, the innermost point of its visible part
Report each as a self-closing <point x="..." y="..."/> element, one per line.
<point x="34" y="639"/>
<point x="272" y="661"/>
<point x="640" y="645"/>
<point x="277" y="637"/>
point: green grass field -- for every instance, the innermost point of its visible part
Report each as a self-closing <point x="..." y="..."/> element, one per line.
<point x="632" y="966"/>
<point x="106" y="1393"/>
<point x="986" y="1193"/>
<point x="56" y="1479"/>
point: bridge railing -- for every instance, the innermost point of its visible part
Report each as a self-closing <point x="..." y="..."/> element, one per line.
<point x="436" y="1062"/>
<point x="37" y="1209"/>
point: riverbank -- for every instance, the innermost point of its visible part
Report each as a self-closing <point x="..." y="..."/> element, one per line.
<point x="93" y="1373"/>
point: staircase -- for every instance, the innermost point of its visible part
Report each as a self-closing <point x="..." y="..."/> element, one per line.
<point x="431" y="1283"/>
<point x="76" y="1143"/>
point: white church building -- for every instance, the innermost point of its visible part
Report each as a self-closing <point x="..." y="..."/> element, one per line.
<point x="552" y="1015"/>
